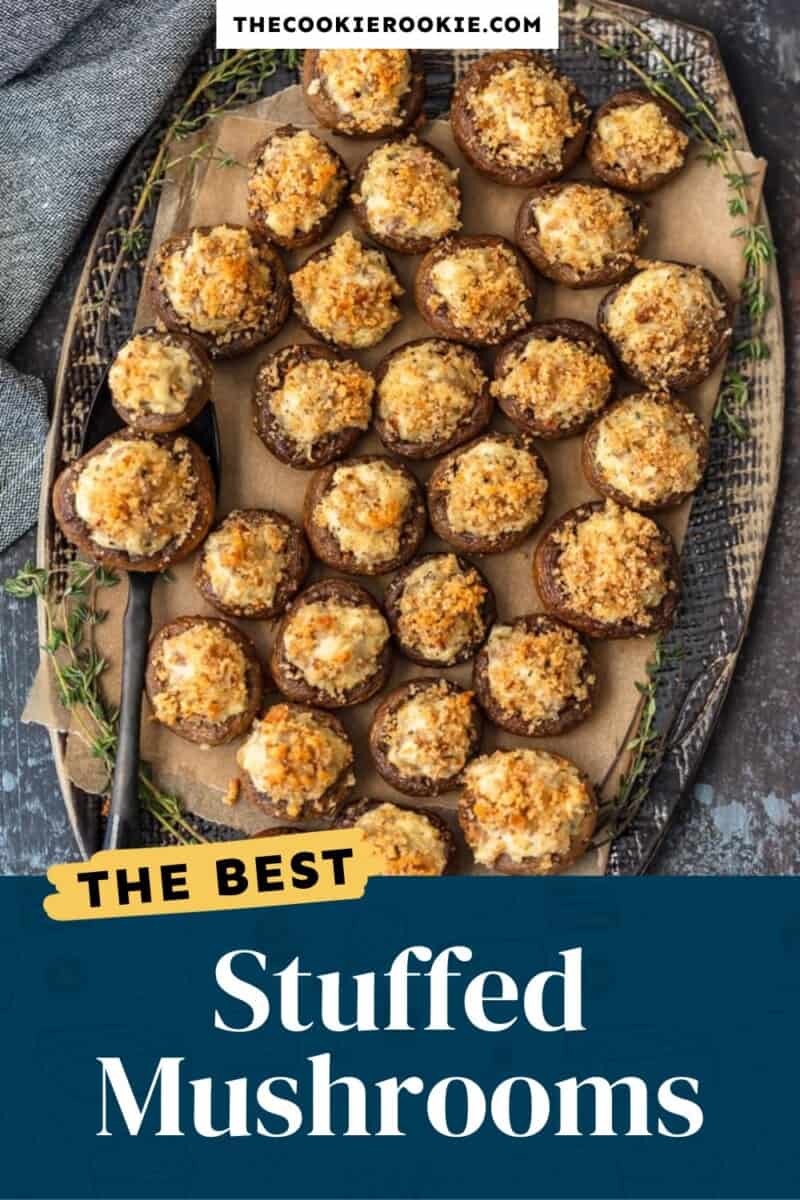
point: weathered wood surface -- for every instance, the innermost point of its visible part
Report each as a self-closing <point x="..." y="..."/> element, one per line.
<point x="744" y="815"/>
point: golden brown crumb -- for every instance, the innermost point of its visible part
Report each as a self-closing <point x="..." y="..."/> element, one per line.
<point x="335" y="646"/>
<point x="365" y="508"/>
<point x="440" y="608"/>
<point x="613" y="565"/>
<point x="294" y="758"/>
<point x="321" y="396"/>
<point x="367" y="85"/>
<point x="483" y="288"/>
<point x="137" y="495"/>
<point x="639" y="140"/>
<point x="430" y="734"/>
<point x="428" y="390"/>
<point x="407" y="842"/>
<point x="244" y="560"/>
<point x="348" y="294"/>
<point x="537" y="674"/>
<point x="409" y="193"/>
<point x="495" y="487"/>
<point x="231" y="797"/>
<point x="295" y="183"/>
<point x="523" y="114"/>
<point x="526" y="804"/>
<point x="153" y="375"/>
<point x="202" y="675"/>
<point x="587" y="228"/>
<point x="648" y="450"/>
<point x="559" y="381"/>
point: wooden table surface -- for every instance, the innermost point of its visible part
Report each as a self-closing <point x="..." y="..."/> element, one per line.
<point x="744" y="814"/>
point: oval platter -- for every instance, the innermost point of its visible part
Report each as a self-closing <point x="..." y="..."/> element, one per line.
<point x="730" y="518"/>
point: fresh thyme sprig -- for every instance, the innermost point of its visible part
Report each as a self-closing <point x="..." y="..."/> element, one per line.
<point x="645" y="749"/>
<point x="69" y="597"/>
<point x="720" y="149"/>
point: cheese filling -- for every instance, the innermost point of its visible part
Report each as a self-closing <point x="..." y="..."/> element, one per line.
<point x="428" y="390"/>
<point x="666" y="319"/>
<point x="523" y="115"/>
<point x="536" y="674"/>
<point x="244" y="560"/>
<point x="202" y="675"/>
<point x="495" y="487"/>
<point x="294" y="758"/>
<point x="640" y="141"/>
<point x="335" y="646"/>
<point x="649" y="450"/>
<point x="561" y="382"/>
<point x="219" y="283"/>
<point x="527" y="804"/>
<point x="431" y="733"/>
<point x="295" y="183"/>
<point x="441" y="608"/>
<point x="483" y="289"/>
<point x="348" y="294"/>
<point x="365" y="509"/>
<point x="320" y="397"/>
<point x="613" y="565"/>
<point x="367" y="86"/>
<point x="137" y="496"/>
<point x="409" y="193"/>
<point x="406" y="841"/>
<point x="152" y="375"/>
<point x="586" y="228"/>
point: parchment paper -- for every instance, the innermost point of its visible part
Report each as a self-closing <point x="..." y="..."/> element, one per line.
<point x="688" y="220"/>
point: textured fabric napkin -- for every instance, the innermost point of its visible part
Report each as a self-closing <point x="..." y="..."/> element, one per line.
<point x="80" y="81"/>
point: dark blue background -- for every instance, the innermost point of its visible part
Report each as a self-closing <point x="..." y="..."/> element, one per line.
<point x="681" y="977"/>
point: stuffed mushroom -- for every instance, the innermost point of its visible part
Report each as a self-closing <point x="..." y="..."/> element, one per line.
<point x="296" y="186"/>
<point x="423" y="734"/>
<point x="223" y="284"/>
<point x="332" y="647"/>
<point x="310" y="405"/>
<point x="364" y="93"/>
<point x="252" y="564"/>
<point x="526" y="812"/>
<point x="608" y="571"/>
<point x="159" y="381"/>
<point x="554" y="379"/>
<point x="487" y="496"/>
<point x="365" y="516"/>
<point x="477" y="290"/>
<point x="517" y="120"/>
<point x="137" y="502"/>
<point x="440" y="608"/>
<point x="204" y="680"/>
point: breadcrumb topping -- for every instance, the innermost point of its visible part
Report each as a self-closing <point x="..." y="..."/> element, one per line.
<point x="613" y="565"/>
<point x="407" y="842"/>
<point x="649" y="449"/>
<point x="365" y="508"/>
<point x="666" y="319"/>
<point x="320" y="397"/>
<point x="523" y="115"/>
<point x="494" y="487"/>
<point x="295" y="183"/>
<point x="202" y="675"/>
<point x="294" y="757"/>
<point x="431" y="733"/>
<point x="441" y="608"/>
<point x="409" y="192"/>
<point x="587" y="228"/>
<point x="138" y="495"/>
<point x="559" y="381"/>
<point x="536" y="674"/>
<point x="348" y="294"/>
<point x="483" y="289"/>
<point x="525" y="804"/>
<point x="367" y="86"/>
<point x="335" y="646"/>
<point x="153" y="375"/>
<point x="220" y="282"/>
<point x="639" y="140"/>
<point x="428" y="390"/>
<point x="245" y="559"/>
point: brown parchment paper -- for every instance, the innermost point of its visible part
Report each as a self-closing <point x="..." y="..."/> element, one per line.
<point x="688" y="220"/>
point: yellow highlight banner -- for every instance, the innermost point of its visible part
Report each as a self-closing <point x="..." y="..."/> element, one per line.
<point x="296" y="868"/>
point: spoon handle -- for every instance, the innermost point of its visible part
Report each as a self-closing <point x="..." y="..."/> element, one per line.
<point x="122" y="828"/>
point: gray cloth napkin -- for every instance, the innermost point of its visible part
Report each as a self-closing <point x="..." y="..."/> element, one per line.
<point x="80" y="81"/>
